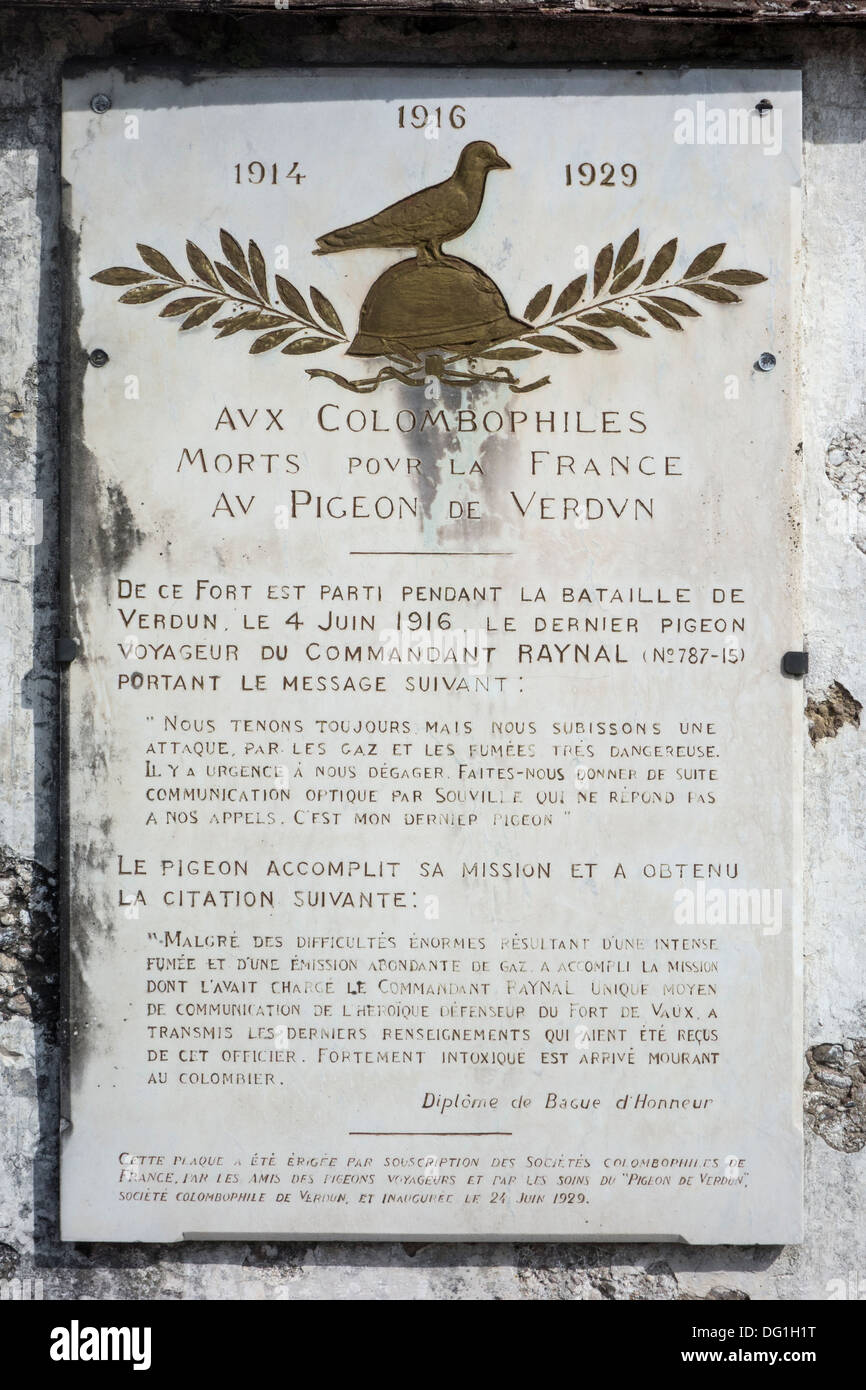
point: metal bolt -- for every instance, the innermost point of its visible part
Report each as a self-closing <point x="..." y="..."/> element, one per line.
<point x="795" y="663"/>
<point x="65" y="650"/>
<point x="98" y="357"/>
<point x="100" y="103"/>
<point x="763" y="105"/>
<point x="766" y="362"/>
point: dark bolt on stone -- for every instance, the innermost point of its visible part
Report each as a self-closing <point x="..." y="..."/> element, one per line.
<point x="100" y="103"/>
<point x="766" y="362"/>
<point x="98" y="357"/>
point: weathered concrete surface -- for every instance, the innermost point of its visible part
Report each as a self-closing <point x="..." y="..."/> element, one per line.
<point x="828" y="715"/>
<point x="785" y="10"/>
<point x="832" y="1261"/>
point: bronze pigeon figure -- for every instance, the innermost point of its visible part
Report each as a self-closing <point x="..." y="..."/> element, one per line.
<point x="424" y="220"/>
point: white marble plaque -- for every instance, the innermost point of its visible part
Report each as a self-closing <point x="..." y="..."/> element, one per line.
<point x="434" y="783"/>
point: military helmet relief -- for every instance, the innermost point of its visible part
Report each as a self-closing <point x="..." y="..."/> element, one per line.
<point x="433" y="314"/>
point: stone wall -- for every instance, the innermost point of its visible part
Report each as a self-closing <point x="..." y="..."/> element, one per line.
<point x="34" y="44"/>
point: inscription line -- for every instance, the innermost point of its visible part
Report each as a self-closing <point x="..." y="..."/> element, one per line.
<point x="429" y="1133"/>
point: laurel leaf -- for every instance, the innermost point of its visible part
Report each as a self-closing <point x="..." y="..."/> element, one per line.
<point x="272" y="340"/>
<point x="510" y="354"/>
<point x="326" y="311"/>
<point x="537" y="303"/>
<point x="259" y="271"/>
<point x="292" y="298"/>
<point x="185" y="305"/>
<point x="626" y="252"/>
<point x="676" y="306"/>
<point x="201" y="314"/>
<point x="730" y="277"/>
<point x="309" y="345"/>
<point x="628" y="277"/>
<point x="157" y="261"/>
<point x="715" y="292"/>
<point x="234" y="281"/>
<point x="143" y="294"/>
<point x="552" y="344"/>
<point x="250" y="318"/>
<point x="660" y="315"/>
<point x="571" y="295"/>
<point x="235" y="322"/>
<point x="590" y="338"/>
<point x="603" y="267"/>
<point x="121" y="275"/>
<point x="233" y="254"/>
<point x="612" y="318"/>
<point x="202" y="266"/>
<point x="705" y="261"/>
<point x="661" y="261"/>
<point x="268" y="318"/>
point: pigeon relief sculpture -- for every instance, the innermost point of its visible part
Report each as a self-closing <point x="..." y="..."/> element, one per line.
<point x="432" y="316"/>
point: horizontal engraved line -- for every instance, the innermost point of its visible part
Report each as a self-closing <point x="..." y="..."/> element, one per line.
<point x="431" y="552"/>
